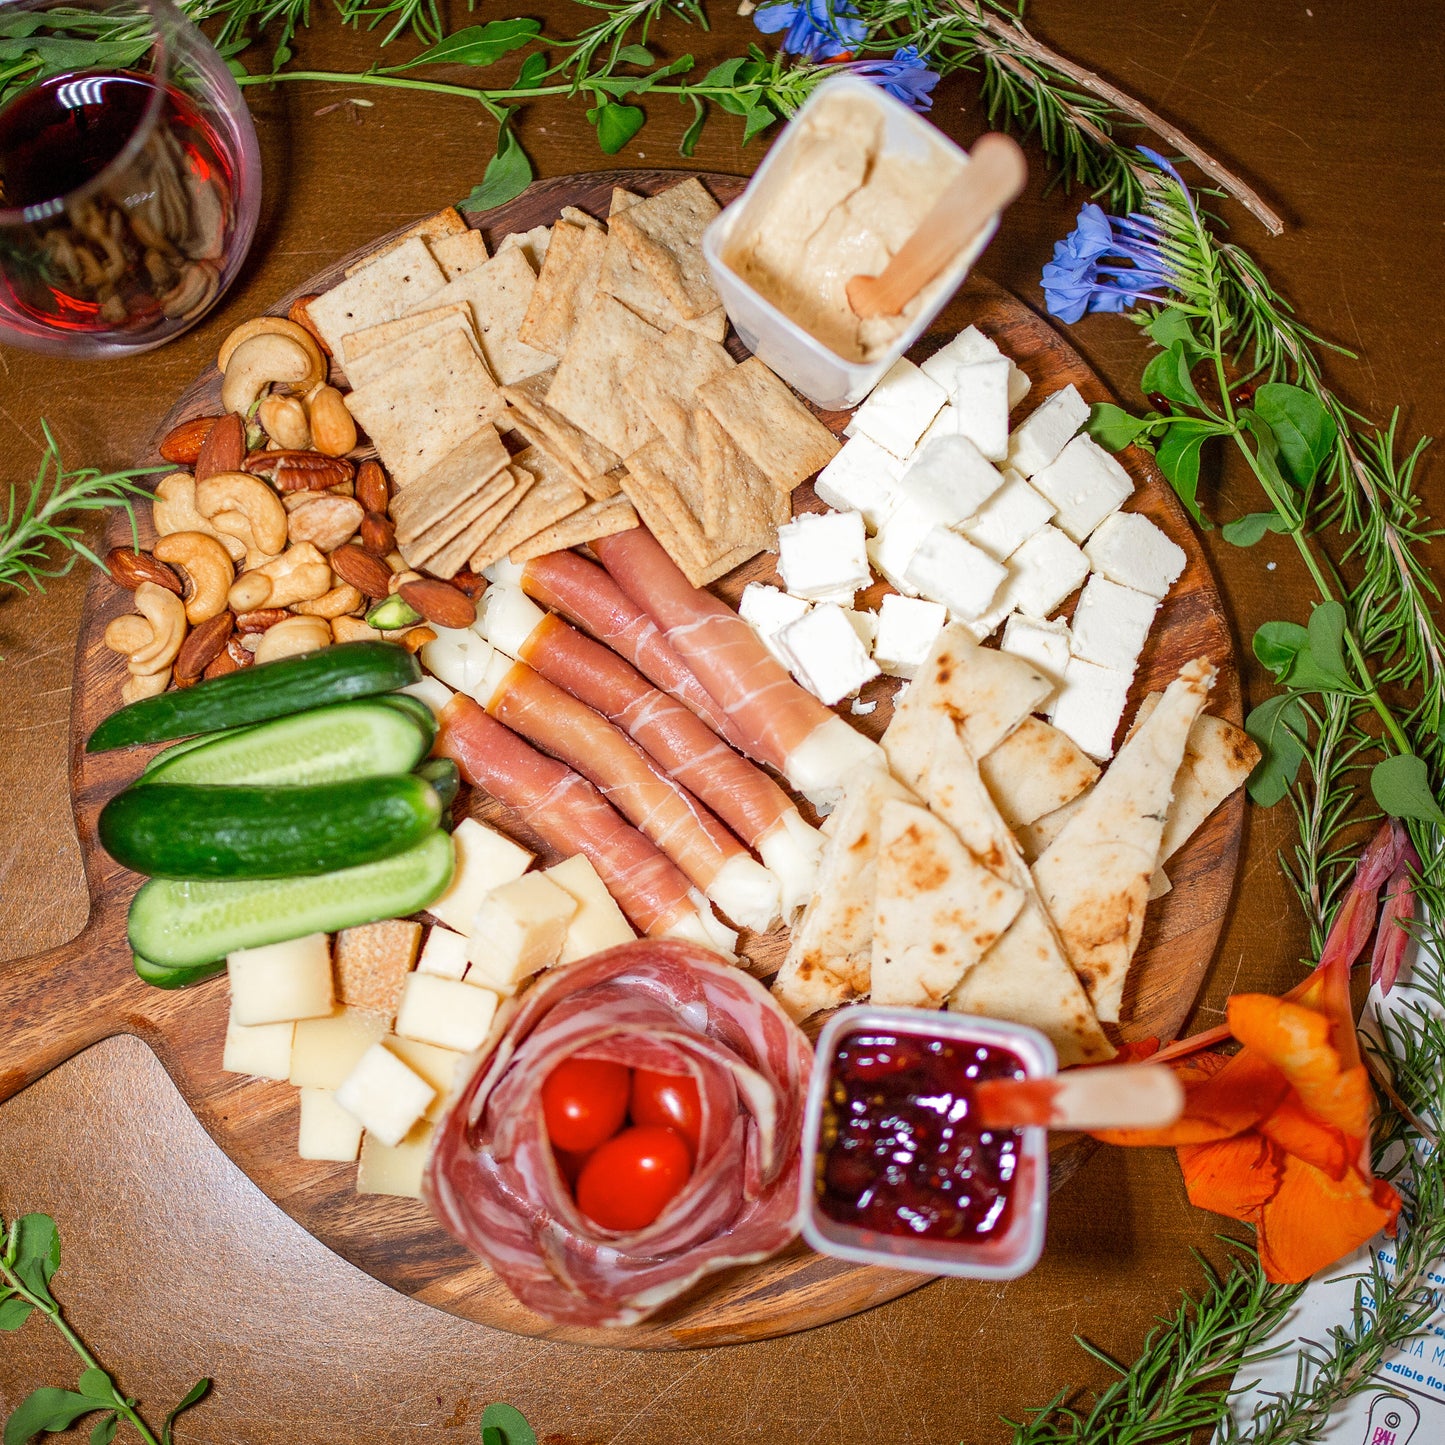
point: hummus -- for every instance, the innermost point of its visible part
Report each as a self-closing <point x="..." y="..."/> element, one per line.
<point x="837" y="205"/>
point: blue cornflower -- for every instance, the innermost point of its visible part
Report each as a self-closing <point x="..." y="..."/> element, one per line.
<point x="906" y="76"/>
<point x="1107" y="263"/>
<point x="816" y="29"/>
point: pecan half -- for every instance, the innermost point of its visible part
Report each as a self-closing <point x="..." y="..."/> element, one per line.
<point x="366" y="573"/>
<point x="371" y="488"/>
<point x="129" y="568"/>
<point x="378" y="533"/>
<point x="302" y="317"/>
<point x="439" y="602"/>
<point x="224" y="448"/>
<point x="203" y="645"/>
<point x="298" y="471"/>
<point x="221" y="666"/>
<point x="260" y="619"/>
<point x="239" y="653"/>
<point x="182" y="444"/>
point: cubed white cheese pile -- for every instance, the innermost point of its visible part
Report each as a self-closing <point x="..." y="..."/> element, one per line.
<point x="970" y="521"/>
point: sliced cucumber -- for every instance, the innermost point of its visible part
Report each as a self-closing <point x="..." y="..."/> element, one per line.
<point x="170" y="754"/>
<point x="269" y="690"/>
<point x="188" y="925"/>
<point x="327" y="744"/>
<point x="159" y="976"/>
<point x="200" y="831"/>
<point x="442" y="774"/>
<point x="414" y="707"/>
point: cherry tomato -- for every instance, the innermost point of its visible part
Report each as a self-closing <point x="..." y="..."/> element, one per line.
<point x="670" y="1100"/>
<point x="584" y="1102"/>
<point x="633" y="1177"/>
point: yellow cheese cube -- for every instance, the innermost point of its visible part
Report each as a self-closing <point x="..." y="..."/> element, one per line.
<point x="598" y="922"/>
<point x="385" y="1095"/>
<point x="326" y="1050"/>
<point x="281" y="981"/>
<point x="263" y="1050"/>
<point x="485" y="858"/>
<point x="520" y="928"/>
<point x="394" y="1168"/>
<point x="327" y="1131"/>
<point x="446" y="1013"/>
<point x="444" y="953"/>
<point x="437" y="1066"/>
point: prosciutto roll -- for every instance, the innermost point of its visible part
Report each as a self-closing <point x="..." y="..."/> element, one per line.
<point x="492" y="1178"/>
<point x="571" y="816"/>
<point x="783" y="724"/>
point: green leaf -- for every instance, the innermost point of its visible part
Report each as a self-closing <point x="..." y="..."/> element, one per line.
<point x="104" y="1429"/>
<point x="504" y="1424"/>
<point x="1113" y="427"/>
<point x="759" y="118"/>
<point x="1327" y="632"/>
<point x="634" y="55"/>
<point x="1168" y="375"/>
<point x="508" y="173"/>
<point x="37" y="1253"/>
<point x="530" y="76"/>
<point x="693" y="133"/>
<point x="13" y="1313"/>
<point x="1401" y="786"/>
<point x="193" y="1396"/>
<point x="1171" y="325"/>
<point x="1178" y="457"/>
<point x="46" y="1409"/>
<point x="1277" y="725"/>
<point x="1246" y="531"/>
<point x="724" y="74"/>
<point x="478" y="44"/>
<point x="616" y="124"/>
<point x="1306" y="659"/>
<point x="1278" y="644"/>
<point x="95" y="1384"/>
<point x="1303" y="428"/>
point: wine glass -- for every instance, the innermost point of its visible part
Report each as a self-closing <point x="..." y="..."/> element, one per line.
<point x="130" y="179"/>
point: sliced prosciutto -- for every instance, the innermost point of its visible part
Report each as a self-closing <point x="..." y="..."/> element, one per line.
<point x="492" y="1178"/>
<point x="571" y="816"/>
<point x="784" y="725"/>
<point x="655" y="804"/>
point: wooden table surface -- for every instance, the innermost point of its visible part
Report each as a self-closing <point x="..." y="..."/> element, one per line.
<point x="175" y="1265"/>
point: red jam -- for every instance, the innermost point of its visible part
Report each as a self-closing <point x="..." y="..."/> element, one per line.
<point x="899" y="1153"/>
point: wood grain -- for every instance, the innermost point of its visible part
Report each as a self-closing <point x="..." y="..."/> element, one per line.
<point x="61" y="1001"/>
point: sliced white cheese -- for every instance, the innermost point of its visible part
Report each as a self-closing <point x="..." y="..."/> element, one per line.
<point x="384" y="1094"/>
<point x="458" y="657"/>
<point x="1038" y="439"/>
<point x="822" y="556"/>
<point x="1085" y="484"/>
<point x="506" y="617"/>
<point x="948" y="568"/>
<point x="980" y="402"/>
<point x="949" y="479"/>
<point x="327" y="1131"/>
<point x="281" y="981"/>
<point x="1130" y="550"/>
<point x="394" y="1168"/>
<point x="899" y="409"/>
<point x="826" y="655"/>
<point x="862" y="477"/>
<point x="598" y="922"/>
<point x="1111" y="623"/>
<point x="1041" y="642"/>
<point x="432" y="691"/>
<point x="945" y="424"/>
<point x="907" y="627"/>
<point x="1089" y="706"/>
<point x="1009" y="518"/>
<point x="1042" y="573"/>
<point x="519" y="930"/>
<point x="261" y="1050"/>
<point x="444" y="953"/>
<point x="326" y="1050"/>
<point x="485" y="860"/>
<point x="969" y="347"/>
<point x="446" y="1013"/>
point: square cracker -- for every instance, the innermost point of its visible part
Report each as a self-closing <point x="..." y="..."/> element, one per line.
<point x="449" y="559"/>
<point x="458" y="254"/>
<point x="664" y="232"/>
<point x="596" y="519"/>
<point x="554" y="496"/>
<point x="740" y="504"/>
<point x="367" y="368"/>
<point x="457" y="477"/>
<point x="373" y="338"/>
<point x="417" y="415"/>
<point x="498" y="294"/>
<point x="587" y="460"/>
<point x="579" y="217"/>
<point x="621" y="199"/>
<point x="533" y="244"/>
<point x="609" y="342"/>
<point x="776" y="432"/>
<point x="565" y="287"/>
<point x="665" y="386"/>
<point x="392" y="286"/>
<point x="431" y="228"/>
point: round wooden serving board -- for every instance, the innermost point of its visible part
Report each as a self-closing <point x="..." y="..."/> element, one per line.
<point x="57" y="1003"/>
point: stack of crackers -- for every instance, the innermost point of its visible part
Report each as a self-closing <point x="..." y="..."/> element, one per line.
<point x="566" y="387"/>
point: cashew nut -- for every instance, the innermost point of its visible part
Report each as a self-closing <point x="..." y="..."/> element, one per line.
<point x="284" y="420"/>
<point x="255" y="364"/>
<point x="166" y="614"/>
<point x="249" y="591"/>
<point x="300" y="574"/>
<point x="275" y="326"/>
<point x="332" y="428"/>
<point x="150" y="684"/>
<point x="400" y="579"/>
<point x="325" y="520"/>
<point x="128" y="633"/>
<point x="339" y="601"/>
<point x="352" y="629"/>
<point x="174" y="510"/>
<point x="295" y="635"/>
<point x="229" y="492"/>
<point x="208" y="566"/>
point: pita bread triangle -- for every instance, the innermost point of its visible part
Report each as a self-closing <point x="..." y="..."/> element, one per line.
<point x="938" y="909"/>
<point x="1035" y="770"/>
<point x="1094" y="877"/>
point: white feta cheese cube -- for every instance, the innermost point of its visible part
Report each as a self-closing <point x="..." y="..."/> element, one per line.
<point x="945" y="424"/>
<point x="1111" y="623"/>
<point x="907" y="627"/>
<point x="980" y="402"/>
<point x="1085" y="484"/>
<point x="446" y="1013"/>
<point x="767" y="610"/>
<point x="1130" y="550"/>
<point x="899" y="409"/>
<point x="598" y="922"/>
<point x="1089" y="706"/>
<point x="826" y="655"/>
<point x="384" y="1095"/>
<point x="968" y="348"/>
<point x="485" y="860"/>
<point x="519" y="929"/>
<point x="1009" y="518"/>
<point x="327" y="1131"/>
<point x="948" y="568"/>
<point x="1044" y="644"/>
<point x="898" y="539"/>
<point x="949" y="480"/>
<point x="865" y="624"/>
<point x="281" y="981"/>
<point x="984" y="627"/>
<point x="862" y="477"/>
<point x="823" y="556"/>
<point x="1044" y="434"/>
<point x="261" y="1050"/>
<point x="1043" y="572"/>
<point x="444" y="953"/>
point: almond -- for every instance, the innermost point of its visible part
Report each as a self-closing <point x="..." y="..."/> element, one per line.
<point x="182" y="444"/>
<point x="298" y="471"/>
<point x="378" y="533"/>
<point x="366" y="573"/>
<point x="224" y="448"/>
<point x="203" y="645"/>
<point x="129" y="568"/>
<point x="472" y="583"/>
<point x="302" y="317"/>
<point x="260" y="619"/>
<point x="439" y="602"/>
<point x="371" y="488"/>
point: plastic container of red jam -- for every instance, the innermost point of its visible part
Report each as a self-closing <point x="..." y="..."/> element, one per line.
<point x="896" y="1171"/>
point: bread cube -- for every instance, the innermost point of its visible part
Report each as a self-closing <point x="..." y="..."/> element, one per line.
<point x="598" y="922"/>
<point x="907" y="628"/>
<point x="826" y="654"/>
<point x="326" y="1050"/>
<point x="394" y="1168"/>
<point x="281" y="981"/>
<point x="261" y="1050"/>
<point x="327" y="1131"/>
<point x="1130" y="550"/>
<point x="822" y="556"/>
<point x="519" y="929"/>
<point x="948" y="568"/>
<point x="1085" y="484"/>
<point x="444" y="953"/>
<point x="485" y="860"/>
<point x="372" y="961"/>
<point x="446" y="1013"/>
<point x="384" y="1094"/>
<point x="899" y="409"/>
<point x="1038" y="439"/>
<point x="1111" y="623"/>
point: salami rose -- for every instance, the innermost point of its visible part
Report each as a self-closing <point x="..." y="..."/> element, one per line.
<point x="661" y="1005"/>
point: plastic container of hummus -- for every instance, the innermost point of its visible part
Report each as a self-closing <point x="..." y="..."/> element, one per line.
<point x="845" y="184"/>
